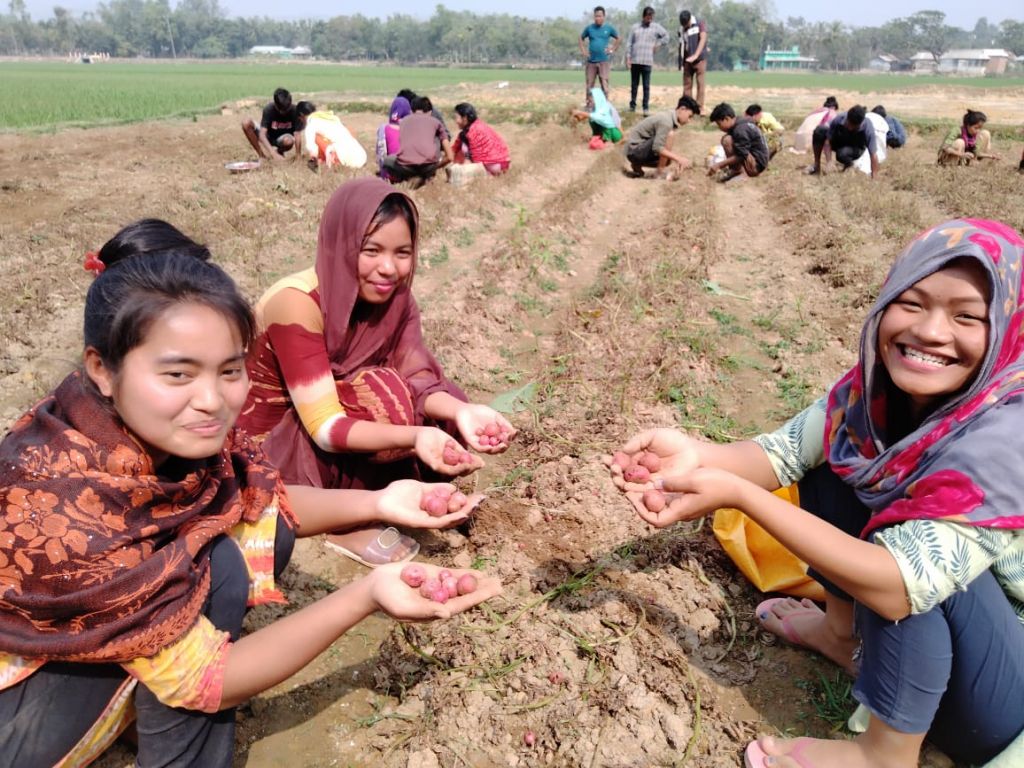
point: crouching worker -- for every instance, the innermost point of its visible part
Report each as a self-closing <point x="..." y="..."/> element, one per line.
<point x="605" y="122"/>
<point x="280" y="128"/>
<point x="424" y="146"/>
<point x="650" y="141"/>
<point x="746" y="151"/>
<point x="849" y="135"/>
<point x="140" y="525"/>
<point x="769" y="126"/>
<point x="327" y="141"/>
<point x="967" y="142"/>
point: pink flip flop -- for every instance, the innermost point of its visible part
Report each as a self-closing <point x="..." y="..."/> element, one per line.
<point x="789" y="632"/>
<point x="754" y="756"/>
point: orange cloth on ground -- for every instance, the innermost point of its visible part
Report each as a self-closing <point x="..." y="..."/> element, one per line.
<point x="764" y="561"/>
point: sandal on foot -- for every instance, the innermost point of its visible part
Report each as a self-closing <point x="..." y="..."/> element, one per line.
<point x="754" y="756"/>
<point x="789" y="632"/>
<point x="389" y="546"/>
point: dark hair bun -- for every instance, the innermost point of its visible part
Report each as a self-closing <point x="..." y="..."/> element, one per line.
<point x="149" y="236"/>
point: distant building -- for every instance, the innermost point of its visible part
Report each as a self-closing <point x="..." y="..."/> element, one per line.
<point x="924" y="62"/>
<point x="975" y="61"/>
<point x="775" y="61"/>
<point x="281" y="51"/>
<point x="886" y="62"/>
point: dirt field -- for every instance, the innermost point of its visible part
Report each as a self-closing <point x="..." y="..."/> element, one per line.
<point x="629" y="303"/>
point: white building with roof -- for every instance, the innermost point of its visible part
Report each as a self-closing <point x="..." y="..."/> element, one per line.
<point x="923" y="61"/>
<point x="975" y="61"/>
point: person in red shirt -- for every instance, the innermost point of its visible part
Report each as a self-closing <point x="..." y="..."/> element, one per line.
<point x="478" y="142"/>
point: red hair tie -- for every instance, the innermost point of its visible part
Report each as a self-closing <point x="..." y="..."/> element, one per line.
<point x="93" y="263"/>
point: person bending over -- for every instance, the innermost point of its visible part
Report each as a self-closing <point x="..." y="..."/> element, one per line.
<point x="848" y="136"/>
<point x="424" y="146"/>
<point x="968" y="142"/>
<point x="650" y="142"/>
<point x="746" y="151"/>
<point x="279" y="130"/>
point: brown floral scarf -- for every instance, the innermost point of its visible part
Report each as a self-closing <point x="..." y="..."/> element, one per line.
<point x="101" y="559"/>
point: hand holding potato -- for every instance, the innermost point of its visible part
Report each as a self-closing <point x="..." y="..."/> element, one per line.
<point x="441" y="453"/>
<point x="677" y="454"/>
<point x="483" y="428"/>
<point x="692" y="495"/>
<point x="402" y="503"/>
<point x="401" y="601"/>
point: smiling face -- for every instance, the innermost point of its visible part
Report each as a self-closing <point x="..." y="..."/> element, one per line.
<point x="385" y="260"/>
<point x="932" y="339"/>
<point x="180" y="391"/>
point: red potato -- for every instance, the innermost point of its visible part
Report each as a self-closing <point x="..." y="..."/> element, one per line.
<point x="443" y="574"/>
<point x="654" y="500"/>
<point x="451" y="454"/>
<point x="466" y="458"/>
<point x="556" y="678"/>
<point x="436" y="506"/>
<point x="457" y="501"/>
<point x="492" y="429"/>
<point x="529" y="738"/>
<point x="439" y="595"/>
<point x="649" y="460"/>
<point x="414" y="575"/>
<point x="451" y="586"/>
<point x="429" y="587"/>
<point x="466" y="584"/>
<point x="636" y="474"/>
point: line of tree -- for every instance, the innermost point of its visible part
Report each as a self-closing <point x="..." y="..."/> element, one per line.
<point x="738" y="32"/>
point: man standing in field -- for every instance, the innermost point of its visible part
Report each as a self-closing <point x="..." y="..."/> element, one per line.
<point x="278" y="126"/>
<point x="746" y="150"/>
<point x="644" y="39"/>
<point x="603" y="42"/>
<point x="650" y="141"/>
<point x="693" y="54"/>
<point x="849" y="135"/>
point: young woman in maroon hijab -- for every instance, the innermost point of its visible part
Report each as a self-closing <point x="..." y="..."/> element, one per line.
<point x="344" y="392"/>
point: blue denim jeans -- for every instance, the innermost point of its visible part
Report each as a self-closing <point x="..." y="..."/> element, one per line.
<point x="955" y="672"/>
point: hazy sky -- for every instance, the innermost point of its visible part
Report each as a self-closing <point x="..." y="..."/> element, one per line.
<point x="867" y="13"/>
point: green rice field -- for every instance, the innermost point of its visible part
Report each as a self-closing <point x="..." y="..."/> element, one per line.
<point x="51" y="95"/>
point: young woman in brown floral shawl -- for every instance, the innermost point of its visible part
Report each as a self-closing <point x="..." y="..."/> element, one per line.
<point x="136" y="525"/>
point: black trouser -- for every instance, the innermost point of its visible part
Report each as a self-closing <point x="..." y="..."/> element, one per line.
<point x="636" y="72"/>
<point x="42" y="718"/>
<point x="401" y="172"/>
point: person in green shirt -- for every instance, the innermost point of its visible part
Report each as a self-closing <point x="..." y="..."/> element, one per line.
<point x="968" y="141"/>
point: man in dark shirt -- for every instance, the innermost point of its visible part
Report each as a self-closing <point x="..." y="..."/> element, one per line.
<point x="746" y="151"/>
<point x="276" y="134"/>
<point x="693" y="54"/>
<point x="420" y="137"/>
<point x="848" y="136"/>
